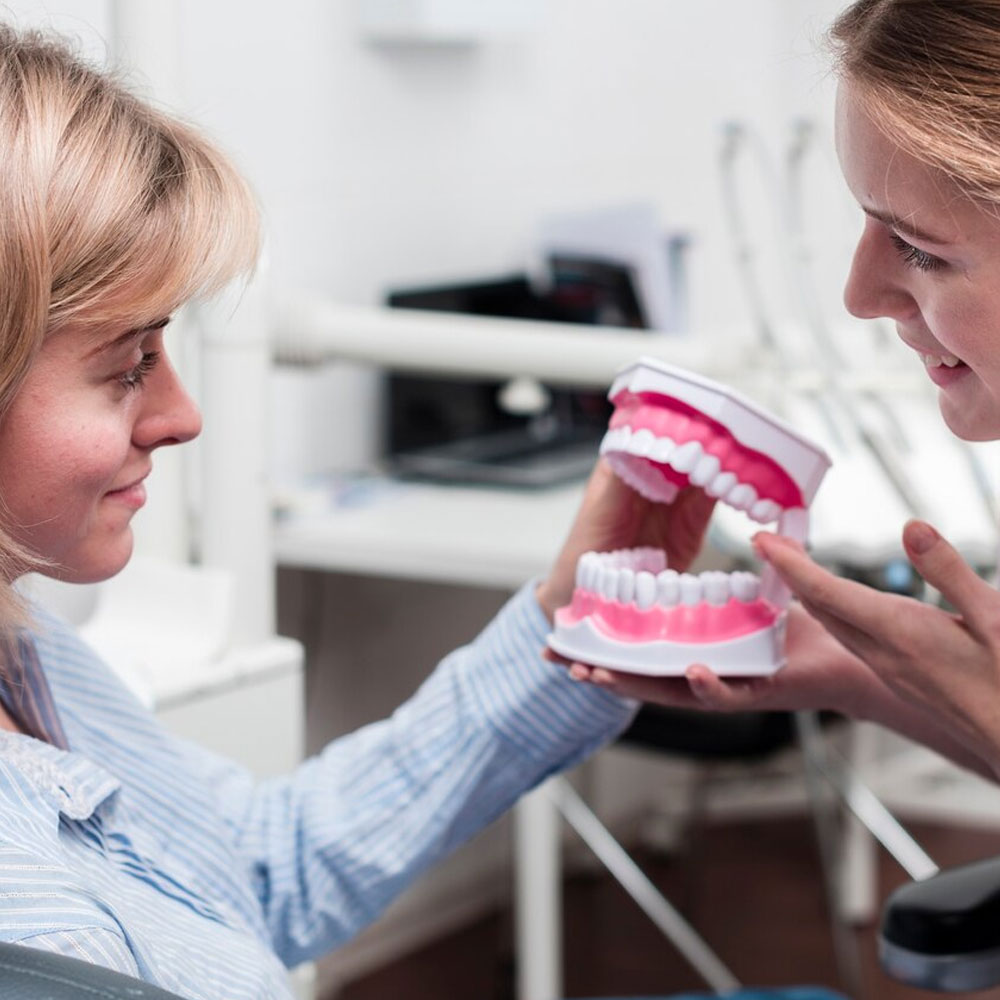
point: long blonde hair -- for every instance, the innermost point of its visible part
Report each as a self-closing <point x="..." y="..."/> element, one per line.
<point x="109" y="209"/>
<point x="928" y="72"/>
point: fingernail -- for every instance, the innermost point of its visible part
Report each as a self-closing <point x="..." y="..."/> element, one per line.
<point x="698" y="683"/>
<point x="578" y="673"/>
<point x="920" y="537"/>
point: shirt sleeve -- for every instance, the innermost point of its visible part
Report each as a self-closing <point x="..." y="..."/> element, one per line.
<point x="330" y="846"/>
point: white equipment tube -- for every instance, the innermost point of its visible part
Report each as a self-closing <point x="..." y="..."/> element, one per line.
<point x="236" y="510"/>
<point x="146" y="43"/>
<point x="312" y="331"/>
<point x="538" y="897"/>
<point x="146" y="38"/>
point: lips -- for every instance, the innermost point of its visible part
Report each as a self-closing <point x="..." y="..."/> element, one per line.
<point x="131" y="484"/>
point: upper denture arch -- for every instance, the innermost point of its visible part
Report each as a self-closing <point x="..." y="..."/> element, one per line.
<point x="674" y="421"/>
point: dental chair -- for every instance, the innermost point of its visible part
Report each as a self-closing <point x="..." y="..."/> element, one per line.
<point x="30" y="974"/>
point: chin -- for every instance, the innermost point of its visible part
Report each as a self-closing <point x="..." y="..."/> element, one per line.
<point x="970" y="423"/>
<point x="94" y="567"/>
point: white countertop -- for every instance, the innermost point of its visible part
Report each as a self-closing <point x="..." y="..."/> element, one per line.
<point x="483" y="536"/>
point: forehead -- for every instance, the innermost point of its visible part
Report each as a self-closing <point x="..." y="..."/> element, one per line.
<point x="888" y="180"/>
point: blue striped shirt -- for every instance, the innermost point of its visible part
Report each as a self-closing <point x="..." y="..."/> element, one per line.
<point x="140" y="852"/>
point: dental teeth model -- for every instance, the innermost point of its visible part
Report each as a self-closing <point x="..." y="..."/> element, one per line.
<point x="630" y="611"/>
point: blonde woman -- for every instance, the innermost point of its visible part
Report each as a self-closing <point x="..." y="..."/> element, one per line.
<point x="119" y="844"/>
<point x="918" y="137"/>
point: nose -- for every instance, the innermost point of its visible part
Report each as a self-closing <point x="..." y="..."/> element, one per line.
<point x="877" y="282"/>
<point x="169" y="415"/>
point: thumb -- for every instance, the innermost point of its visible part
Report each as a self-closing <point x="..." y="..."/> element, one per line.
<point x="937" y="561"/>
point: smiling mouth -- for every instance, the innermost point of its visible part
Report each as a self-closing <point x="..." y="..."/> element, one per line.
<point x="138" y="481"/>
<point x="940" y="360"/>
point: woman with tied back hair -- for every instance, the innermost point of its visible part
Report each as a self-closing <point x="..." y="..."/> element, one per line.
<point x="119" y="844"/>
<point x="918" y="138"/>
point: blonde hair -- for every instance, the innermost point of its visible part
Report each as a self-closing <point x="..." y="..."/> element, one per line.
<point x="928" y="72"/>
<point x="110" y="210"/>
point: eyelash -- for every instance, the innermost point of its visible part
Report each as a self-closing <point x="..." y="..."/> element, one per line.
<point x="919" y="259"/>
<point x="134" y="377"/>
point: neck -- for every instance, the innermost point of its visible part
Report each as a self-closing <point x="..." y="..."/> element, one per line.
<point x="8" y="723"/>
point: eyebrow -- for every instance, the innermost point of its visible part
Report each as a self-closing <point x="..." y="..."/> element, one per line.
<point x="906" y="228"/>
<point x="128" y="335"/>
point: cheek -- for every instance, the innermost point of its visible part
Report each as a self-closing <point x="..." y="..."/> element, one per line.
<point x="61" y="471"/>
<point x="969" y="328"/>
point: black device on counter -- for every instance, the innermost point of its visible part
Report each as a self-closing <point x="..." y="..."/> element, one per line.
<point x="457" y="429"/>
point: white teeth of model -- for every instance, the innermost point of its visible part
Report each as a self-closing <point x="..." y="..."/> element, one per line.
<point x="662" y="449"/>
<point x="591" y="571"/>
<point x="721" y="485"/>
<point x="765" y="510"/>
<point x="742" y="496"/>
<point x="626" y="585"/>
<point x="645" y="590"/>
<point x="614" y="439"/>
<point x="608" y="584"/>
<point x="641" y="443"/>
<point x="716" y="587"/>
<point x="668" y="587"/>
<point x="950" y="360"/>
<point x="687" y="456"/>
<point x="746" y="586"/>
<point x="690" y="589"/>
<point x="705" y="471"/>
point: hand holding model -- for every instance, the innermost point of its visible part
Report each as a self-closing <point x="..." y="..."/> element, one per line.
<point x="613" y="516"/>
<point x="922" y="671"/>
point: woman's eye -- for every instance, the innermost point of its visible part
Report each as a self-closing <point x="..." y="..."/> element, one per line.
<point x="133" y="378"/>
<point x="914" y="256"/>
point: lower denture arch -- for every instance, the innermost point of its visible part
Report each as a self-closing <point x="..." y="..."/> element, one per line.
<point x="667" y="417"/>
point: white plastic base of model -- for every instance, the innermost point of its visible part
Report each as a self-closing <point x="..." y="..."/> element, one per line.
<point x="758" y="654"/>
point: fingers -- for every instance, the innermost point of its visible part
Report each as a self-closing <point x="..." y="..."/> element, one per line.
<point x="823" y="593"/>
<point x="931" y="555"/>
<point x="734" y="694"/>
<point x="944" y="569"/>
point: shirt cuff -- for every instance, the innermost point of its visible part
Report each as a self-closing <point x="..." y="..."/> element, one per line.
<point x="532" y="702"/>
